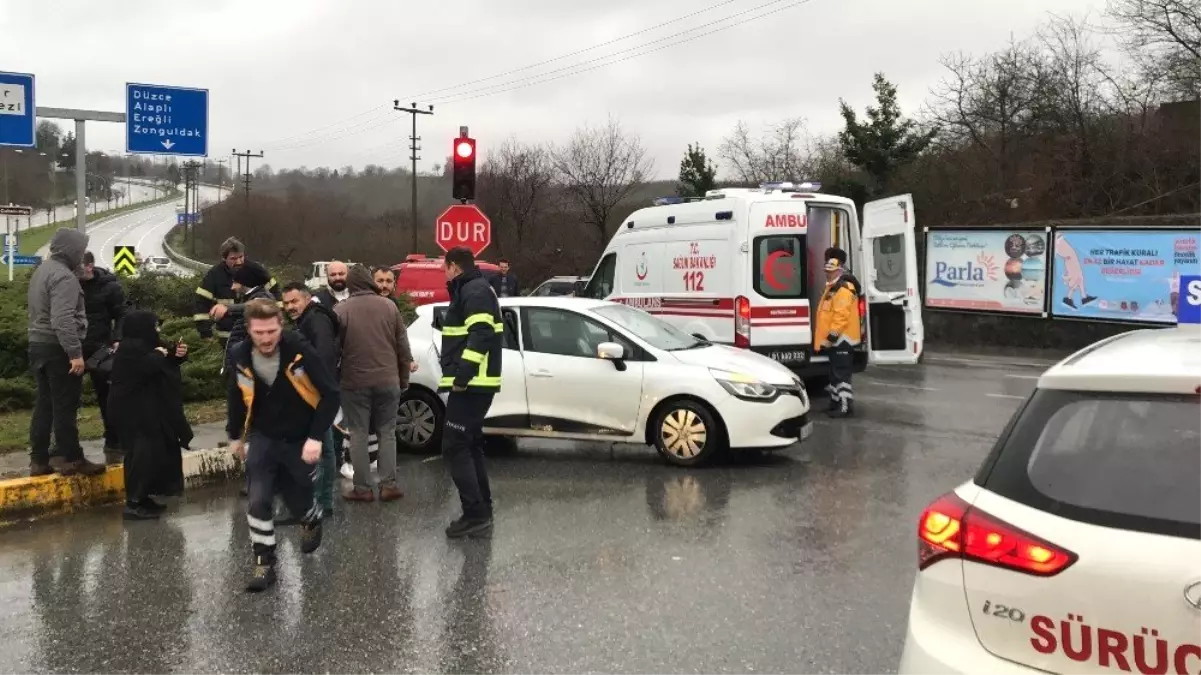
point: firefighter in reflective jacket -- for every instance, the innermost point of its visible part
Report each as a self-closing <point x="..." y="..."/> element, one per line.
<point x="216" y="288"/>
<point x="838" y="330"/>
<point x="472" y="338"/>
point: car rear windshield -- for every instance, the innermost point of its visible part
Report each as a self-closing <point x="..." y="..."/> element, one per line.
<point x="1115" y="460"/>
<point x="780" y="266"/>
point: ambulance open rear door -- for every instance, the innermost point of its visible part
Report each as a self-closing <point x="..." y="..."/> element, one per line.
<point x="895" y="331"/>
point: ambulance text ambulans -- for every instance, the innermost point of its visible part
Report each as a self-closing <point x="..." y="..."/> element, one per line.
<point x="744" y="267"/>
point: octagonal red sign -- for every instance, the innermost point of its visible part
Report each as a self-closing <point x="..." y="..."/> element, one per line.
<point x="463" y="225"/>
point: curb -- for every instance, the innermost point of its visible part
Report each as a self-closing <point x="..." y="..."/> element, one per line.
<point x="28" y="498"/>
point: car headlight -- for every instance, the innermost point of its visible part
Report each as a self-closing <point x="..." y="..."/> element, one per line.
<point x="743" y="386"/>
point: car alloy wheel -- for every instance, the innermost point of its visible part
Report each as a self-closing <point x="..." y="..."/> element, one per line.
<point x="684" y="433"/>
<point x="416" y="422"/>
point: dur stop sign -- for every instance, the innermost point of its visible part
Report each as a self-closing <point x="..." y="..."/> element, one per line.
<point x="463" y="225"/>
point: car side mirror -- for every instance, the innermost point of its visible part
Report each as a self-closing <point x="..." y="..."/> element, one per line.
<point x="611" y="351"/>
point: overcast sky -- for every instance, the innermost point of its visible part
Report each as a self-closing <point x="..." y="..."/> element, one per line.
<point x="311" y="82"/>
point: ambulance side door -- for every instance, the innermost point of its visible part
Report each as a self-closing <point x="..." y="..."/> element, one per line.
<point x="895" y="331"/>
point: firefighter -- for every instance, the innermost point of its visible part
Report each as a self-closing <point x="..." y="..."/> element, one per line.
<point x="472" y="337"/>
<point x="838" y="330"/>
<point x="217" y="289"/>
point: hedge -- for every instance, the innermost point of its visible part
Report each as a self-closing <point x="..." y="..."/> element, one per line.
<point x="168" y="296"/>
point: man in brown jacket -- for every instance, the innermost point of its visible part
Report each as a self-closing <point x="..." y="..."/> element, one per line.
<point x="376" y="363"/>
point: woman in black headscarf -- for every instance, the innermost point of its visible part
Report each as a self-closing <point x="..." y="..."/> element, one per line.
<point x="146" y="402"/>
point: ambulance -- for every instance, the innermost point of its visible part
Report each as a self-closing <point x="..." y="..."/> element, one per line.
<point x="744" y="267"/>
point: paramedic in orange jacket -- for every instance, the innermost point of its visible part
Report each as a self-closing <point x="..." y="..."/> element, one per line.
<point x="837" y="331"/>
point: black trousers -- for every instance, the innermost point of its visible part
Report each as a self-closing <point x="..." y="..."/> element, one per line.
<point x="100" y="386"/>
<point x="273" y="465"/>
<point x="842" y="363"/>
<point x="463" y="449"/>
<point x="56" y="406"/>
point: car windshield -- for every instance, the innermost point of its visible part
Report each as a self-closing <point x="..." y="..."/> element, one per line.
<point x="655" y="332"/>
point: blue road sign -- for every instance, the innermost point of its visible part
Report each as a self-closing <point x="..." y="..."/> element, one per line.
<point x="1188" y="309"/>
<point x="182" y="218"/>
<point x="162" y="120"/>
<point x="22" y="259"/>
<point x="18" y="113"/>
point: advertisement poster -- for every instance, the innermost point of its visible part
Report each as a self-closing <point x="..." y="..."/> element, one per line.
<point x="1122" y="275"/>
<point x="996" y="271"/>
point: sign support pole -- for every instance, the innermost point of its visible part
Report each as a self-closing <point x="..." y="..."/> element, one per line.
<point x="11" y="253"/>
<point x="81" y="152"/>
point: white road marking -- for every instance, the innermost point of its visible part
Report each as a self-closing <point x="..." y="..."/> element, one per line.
<point x="1022" y="377"/>
<point x="902" y="386"/>
<point x="1005" y="396"/>
<point x="427" y="460"/>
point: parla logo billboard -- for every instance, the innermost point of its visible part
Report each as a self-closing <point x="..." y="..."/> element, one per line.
<point x="968" y="274"/>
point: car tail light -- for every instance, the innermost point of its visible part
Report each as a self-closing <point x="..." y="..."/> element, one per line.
<point x="742" y="322"/>
<point x="951" y="528"/>
<point x="862" y="308"/>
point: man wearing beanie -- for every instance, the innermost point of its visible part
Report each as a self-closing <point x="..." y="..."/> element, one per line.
<point x="837" y="331"/>
<point x="250" y="282"/>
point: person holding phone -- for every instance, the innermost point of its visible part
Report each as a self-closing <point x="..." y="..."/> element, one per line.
<point x="146" y="404"/>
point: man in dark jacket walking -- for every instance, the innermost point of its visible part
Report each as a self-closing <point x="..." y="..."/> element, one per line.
<point x="319" y="326"/>
<point x="104" y="301"/>
<point x="472" y="338"/>
<point x="57" y="326"/>
<point x="376" y="362"/>
<point x="281" y="403"/>
<point x="216" y="288"/>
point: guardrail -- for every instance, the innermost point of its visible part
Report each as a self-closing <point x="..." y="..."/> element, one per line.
<point x="182" y="260"/>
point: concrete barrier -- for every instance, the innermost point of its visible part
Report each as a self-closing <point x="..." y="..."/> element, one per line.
<point x="184" y="261"/>
<point x="28" y="498"/>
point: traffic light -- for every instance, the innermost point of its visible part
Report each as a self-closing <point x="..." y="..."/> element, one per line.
<point x="464" y="174"/>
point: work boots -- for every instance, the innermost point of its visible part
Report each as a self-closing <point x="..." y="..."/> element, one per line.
<point x="262" y="576"/>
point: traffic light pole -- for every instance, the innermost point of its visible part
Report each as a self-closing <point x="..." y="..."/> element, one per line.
<point x="414" y="148"/>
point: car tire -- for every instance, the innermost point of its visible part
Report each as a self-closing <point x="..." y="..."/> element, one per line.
<point x="686" y="433"/>
<point x="419" y="420"/>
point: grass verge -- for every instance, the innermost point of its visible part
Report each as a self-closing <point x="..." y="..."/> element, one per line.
<point x="33" y="239"/>
<point x="14" y="426"/>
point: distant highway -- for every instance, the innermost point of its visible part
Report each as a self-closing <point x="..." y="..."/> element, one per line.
<point x="137" y="190"/>
<point x="144" y="229"/>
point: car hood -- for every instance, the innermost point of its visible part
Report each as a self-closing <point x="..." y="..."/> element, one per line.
<point x="723" y="357"/>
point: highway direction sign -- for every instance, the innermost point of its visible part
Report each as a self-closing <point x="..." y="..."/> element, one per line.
<point x="14" y="210"/>
<point x="125" y="260"/>
<point x="18" y="113"/>
<point x="21" y="259"/>
<point x="162" y="120"/>
<point x="183" y="218"/>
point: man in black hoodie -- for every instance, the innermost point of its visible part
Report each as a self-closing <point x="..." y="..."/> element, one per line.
<point x="280" y="406"/>
<point x="250" y="282"/>
<point x="104" y="301"/>
<point x="319" y="325"/>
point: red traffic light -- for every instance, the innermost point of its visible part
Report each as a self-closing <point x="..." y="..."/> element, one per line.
<point x="465" y="149"/>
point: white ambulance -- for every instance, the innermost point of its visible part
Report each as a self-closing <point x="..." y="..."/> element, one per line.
<point x="744" y="267"/>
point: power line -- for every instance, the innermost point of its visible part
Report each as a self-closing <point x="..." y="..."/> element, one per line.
<point x="537" y="81"/>
<point x="577" y="52"/>
<point x="657" y="26"/>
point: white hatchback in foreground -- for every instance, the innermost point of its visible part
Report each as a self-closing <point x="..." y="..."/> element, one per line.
<point x="1077" y="546"/>
<point x="585" y="369"/>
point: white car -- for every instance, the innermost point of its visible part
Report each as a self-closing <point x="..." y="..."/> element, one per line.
<point x="156" y="264"/>
<point x="557" y="286"/>
<point x="1077" y="546"/>
<point x="585" y="369"/>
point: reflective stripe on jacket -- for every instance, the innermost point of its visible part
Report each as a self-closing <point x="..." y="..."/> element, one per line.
<point x="838" y="316"/>
<point x="472" y="336"/>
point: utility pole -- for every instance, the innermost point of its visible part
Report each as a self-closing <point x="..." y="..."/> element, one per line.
<point x="220" y="176"/>
<point x="246" y="176"/>
<point x="191" y="200"/>
<point x="414" y="149"/>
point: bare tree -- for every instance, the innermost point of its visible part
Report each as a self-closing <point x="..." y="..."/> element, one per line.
<point x="1164" y="38"/>
<point x="514" y="185"/>
<point x="994" y="103"/>
<point x="598" y="168"/>
<point x="779" y="154"/>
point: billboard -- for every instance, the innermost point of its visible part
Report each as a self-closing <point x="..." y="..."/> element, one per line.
<point x="987" y="270"/>
<point x="1122" y="275"/>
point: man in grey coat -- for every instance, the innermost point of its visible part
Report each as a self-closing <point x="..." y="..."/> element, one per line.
<point x="58" y="324"/>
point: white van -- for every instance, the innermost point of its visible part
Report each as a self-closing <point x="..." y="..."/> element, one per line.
<point x="744" y="266"/>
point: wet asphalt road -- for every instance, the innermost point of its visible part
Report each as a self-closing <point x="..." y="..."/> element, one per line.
<point x="785" y="563"/>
